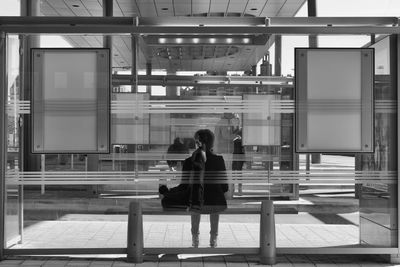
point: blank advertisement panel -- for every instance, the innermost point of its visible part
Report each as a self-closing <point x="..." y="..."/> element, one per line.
<point x="70" y="100"/>
<point x="334" y="100"/>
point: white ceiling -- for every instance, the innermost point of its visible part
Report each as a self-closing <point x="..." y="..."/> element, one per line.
<point x="191" y="58"/>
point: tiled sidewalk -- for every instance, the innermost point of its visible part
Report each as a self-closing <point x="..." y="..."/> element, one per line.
<point x="92" y="234"/>
<point x="95" y="234"/>
<point x="203" y="261"/>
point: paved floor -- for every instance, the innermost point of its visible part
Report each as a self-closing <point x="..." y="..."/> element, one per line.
<point x="103" y="234"/>
<point x="203" y="261"/>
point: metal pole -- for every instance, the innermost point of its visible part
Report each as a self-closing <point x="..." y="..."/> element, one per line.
<point x="312" y="12"/>
<point x="30" y="162"/>
<point x="135" y="233"/>
<point x="267" y="233"/>
<point x="278" y="55"/>
<point x="397" y="85"/>
<point x="148" y="73"/>
<point x="3" y="137"/>
<point x="313" y="42"/>
<point x="108" y="12"/>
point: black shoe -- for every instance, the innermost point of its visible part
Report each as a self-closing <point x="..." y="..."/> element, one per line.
<point x="213" y="241"/>
<point x="195" y="241"/>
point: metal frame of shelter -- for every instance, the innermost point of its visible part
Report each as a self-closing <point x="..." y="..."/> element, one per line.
<point x="200" y="26"/>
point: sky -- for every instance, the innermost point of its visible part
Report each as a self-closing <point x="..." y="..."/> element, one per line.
<point x="331" y="8"/>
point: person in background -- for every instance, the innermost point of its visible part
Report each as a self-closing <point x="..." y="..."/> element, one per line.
<point x="178" y="147"/>
<point x="238" y="152"/>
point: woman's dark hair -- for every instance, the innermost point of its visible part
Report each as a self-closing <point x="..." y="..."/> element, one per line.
<point x="205" y="136"/>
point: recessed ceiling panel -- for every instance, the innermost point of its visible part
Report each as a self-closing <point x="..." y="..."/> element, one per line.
<point x="220" y="6"/>
<point x="201" y="7"/>
<point x="164" y="8"/>
<point x="146" y="8"/>
<point x="182" y="8"/>
<point x="236" y="6"/>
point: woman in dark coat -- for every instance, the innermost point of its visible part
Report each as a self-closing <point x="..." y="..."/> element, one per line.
<point x="204" y="183"/>
<point x="215" y="183"/>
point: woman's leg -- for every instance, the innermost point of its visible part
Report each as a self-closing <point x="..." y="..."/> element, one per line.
<point x="195" y="220"/>
<point x="214" y="221"/>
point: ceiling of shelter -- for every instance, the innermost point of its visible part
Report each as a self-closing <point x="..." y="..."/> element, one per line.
<point x="215" y="56"/>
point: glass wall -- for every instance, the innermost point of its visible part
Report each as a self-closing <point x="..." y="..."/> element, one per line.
<point x="15" y="109"/>
<point x="81" y="200"/>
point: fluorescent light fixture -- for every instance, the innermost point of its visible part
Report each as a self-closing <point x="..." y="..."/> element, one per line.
<point x="229" y="40"/>
<point x="178" y="40"/>
<point x="246" y="40"/>
<point x="212" y="40"/>
<point x="195" y="40"/>
<point x="162" y="40"/>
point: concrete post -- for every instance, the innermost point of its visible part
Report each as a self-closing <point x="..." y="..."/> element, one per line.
<point x="135" y="233"/>
<point x="267" y="233"/>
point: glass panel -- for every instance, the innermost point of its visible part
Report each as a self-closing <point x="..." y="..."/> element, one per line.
<point x="378" y="198"/>
<point x="81" y="200"/>
<point x="13" y="206"/>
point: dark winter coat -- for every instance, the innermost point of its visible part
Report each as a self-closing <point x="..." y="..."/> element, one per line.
<point x="215" y="179"/>
<point x="215" y="185"/>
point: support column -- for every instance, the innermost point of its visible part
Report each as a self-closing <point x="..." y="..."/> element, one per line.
<point x="108" y="11"/>
<point x="93" y="159"/>
<point x="148" y="73"/>
<point x="3" y="136"/>
<point x="313" y="42"/>
<point x="289" y="159"/>
<point x="397" y="89"/>
<point x="278" y="55"/>
<point x="132" y="165"/>
<point x="312" y="12"/>
<point x="171" y="90"/>
<point x="29" y="161"/>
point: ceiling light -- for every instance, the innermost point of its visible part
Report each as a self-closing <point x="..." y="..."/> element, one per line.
<point x="178" y="40"/>
<point x="195" y="40"/>
<point x="246" y="40"/>
<point x="229" y="40"/>
<point x="162" y="40"/>
<point x="212" y="40"/>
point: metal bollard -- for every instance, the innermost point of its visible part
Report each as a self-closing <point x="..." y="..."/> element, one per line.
<point x="267" y="233"/>
<point x="135" y="233"/>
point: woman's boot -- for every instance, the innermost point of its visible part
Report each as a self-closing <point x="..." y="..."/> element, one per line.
<point x="213" y="240"/>
<point x="195" y="241"/>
